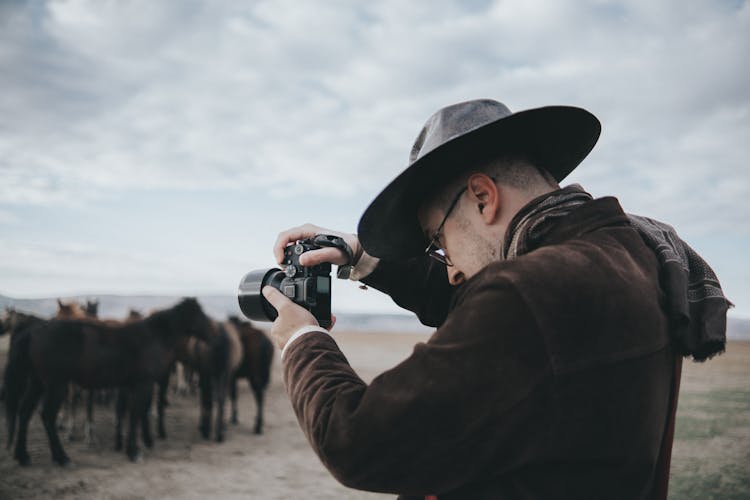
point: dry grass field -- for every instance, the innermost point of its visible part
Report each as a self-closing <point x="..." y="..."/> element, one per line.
<point x="711" y="454"/>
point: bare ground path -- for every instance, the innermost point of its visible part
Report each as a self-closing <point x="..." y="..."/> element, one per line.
<point x="711" y="456"/>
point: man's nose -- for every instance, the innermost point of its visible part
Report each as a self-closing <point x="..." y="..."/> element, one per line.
<point x="455" y="276"/>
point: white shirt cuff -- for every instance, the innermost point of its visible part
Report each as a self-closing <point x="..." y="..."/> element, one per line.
<point x="299" y="333"/>
<point x="365" y="265"/>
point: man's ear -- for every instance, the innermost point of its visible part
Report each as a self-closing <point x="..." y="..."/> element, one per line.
<point x="485" y="195"/>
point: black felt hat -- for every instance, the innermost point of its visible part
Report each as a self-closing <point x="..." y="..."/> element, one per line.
<point x="556" y="138"/>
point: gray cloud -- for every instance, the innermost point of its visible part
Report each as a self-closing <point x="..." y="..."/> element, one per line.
<point x="283" y="96"/>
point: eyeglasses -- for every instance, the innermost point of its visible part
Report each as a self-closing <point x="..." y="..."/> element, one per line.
<point x="433" y="249"/>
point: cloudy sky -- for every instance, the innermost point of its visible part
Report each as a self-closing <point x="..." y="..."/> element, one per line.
<point x="159" y="147"/>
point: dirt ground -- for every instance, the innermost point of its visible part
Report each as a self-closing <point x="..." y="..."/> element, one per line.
<point x="711" y="454"/>
<point x="278" y="464"/>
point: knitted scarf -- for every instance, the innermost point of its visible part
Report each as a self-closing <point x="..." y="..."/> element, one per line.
<point x="695" y="302"/>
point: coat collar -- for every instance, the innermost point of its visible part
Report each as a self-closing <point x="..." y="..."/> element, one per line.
<point x="588" y="217"/>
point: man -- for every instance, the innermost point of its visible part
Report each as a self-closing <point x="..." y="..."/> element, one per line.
<point x="551" y="373"/>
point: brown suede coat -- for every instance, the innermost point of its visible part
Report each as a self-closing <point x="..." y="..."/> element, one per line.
<point x="548" y="378"/>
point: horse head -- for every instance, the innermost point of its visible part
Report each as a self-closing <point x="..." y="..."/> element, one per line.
<point x="71" y="310"/>
<point x="134" y="315"/>
<point x="16" y="321"/>
<point x="91" y="309"/>
<point x="190" y="320"/>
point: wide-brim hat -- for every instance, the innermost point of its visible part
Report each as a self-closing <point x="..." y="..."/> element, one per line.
<point x="454" y="140"/>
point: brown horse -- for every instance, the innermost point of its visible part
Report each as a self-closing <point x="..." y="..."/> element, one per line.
<point x="16" y="321"/>
<point x="216" y="361"/>
<point x="74" y="395"/>
<point x="122" y="395"/>
<point x="13" y="322"/>
<point x="94" y="354"/>
<point x="70" y="310"/>
<point x="255" y="367"/>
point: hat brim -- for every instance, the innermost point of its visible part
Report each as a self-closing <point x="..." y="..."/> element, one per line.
<point x="556" y="138"/>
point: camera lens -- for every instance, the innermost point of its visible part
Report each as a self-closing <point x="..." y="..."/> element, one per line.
<point x="252" y="302"/>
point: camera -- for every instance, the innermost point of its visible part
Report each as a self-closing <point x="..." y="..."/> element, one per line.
<point x="309" y="287"/>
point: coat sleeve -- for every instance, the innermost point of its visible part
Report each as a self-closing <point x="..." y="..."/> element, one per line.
<point x="442" y="417"/>
<point x="419" y="285"/>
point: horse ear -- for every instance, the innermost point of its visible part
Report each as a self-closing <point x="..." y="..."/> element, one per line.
<point x="59" y="304"/>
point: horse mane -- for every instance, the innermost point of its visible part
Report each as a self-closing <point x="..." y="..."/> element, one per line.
<point x="165" y="314"/>
<point x="16" y="321"/>
<point x="184" y="315"/>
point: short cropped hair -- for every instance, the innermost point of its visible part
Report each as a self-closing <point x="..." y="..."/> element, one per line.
<point x="514" y="170"/>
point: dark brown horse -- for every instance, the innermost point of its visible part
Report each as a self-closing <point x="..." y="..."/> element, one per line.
<point x="16" y="321"/>
<point x="74" y="394"/>
<point x="13" y="322"/>
<point x="122" y="400"/>
<point x="93" y="354"/>
<point x="255" y="367"/>
<point x="215" y="360"/>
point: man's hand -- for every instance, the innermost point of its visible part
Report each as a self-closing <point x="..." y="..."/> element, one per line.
<point x="314" y="257"/>
<point x="291" y="318"/>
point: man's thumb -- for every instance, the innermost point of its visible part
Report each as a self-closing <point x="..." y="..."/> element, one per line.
<point x="273" y="296"/>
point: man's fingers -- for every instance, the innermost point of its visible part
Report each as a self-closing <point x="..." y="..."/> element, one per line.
<point x="290" y="236"/>
<point x="328" y="254"/>
<point x="275" y="297"/>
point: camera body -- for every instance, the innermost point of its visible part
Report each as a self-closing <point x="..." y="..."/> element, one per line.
<point x="310" y="287"/>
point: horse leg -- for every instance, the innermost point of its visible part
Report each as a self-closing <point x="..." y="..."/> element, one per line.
<point x="205" y="420"/>
<point x="72" y="398"/>
<point x="221" y="396"/>
<point x="190" y="381"/>
<point x="123" y="395"/>
<point x="53" y="398"/>
<point x="68" y="417"/>
<point x="233" y="397"/>
<point x="138" y="400"/>
<point x="145" y="422"/>
<point x="88" y="429"/>
<point x="34" y="390"/>
<point x="180" y="387"/>
<point x="161" y="404"/>
<point x="258" y="391"/>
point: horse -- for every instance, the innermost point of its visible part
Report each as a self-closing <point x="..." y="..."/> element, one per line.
<point x="255" y="367"/>
<point x="162" y="403"/>
<point x="70" y="310"/>
<point x="14" y="322"/>
<point x="216" y="361"/>
<point x="91" y="309"/>
<point x="93" y="354"/>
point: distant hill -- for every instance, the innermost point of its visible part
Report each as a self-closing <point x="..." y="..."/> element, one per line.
<point x="738" y="328"/>
<point x="221" y="306"/>
<point x="216" y="306"/>
<point x="118" y="306"/>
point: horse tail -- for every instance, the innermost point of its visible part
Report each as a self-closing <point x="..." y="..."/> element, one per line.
<point x="266" y="358"/>
<point x="220" y="350"/>
<point x="15" y="379"/>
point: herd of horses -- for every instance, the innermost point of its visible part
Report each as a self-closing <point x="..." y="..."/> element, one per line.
<point x="59" y="360"/>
